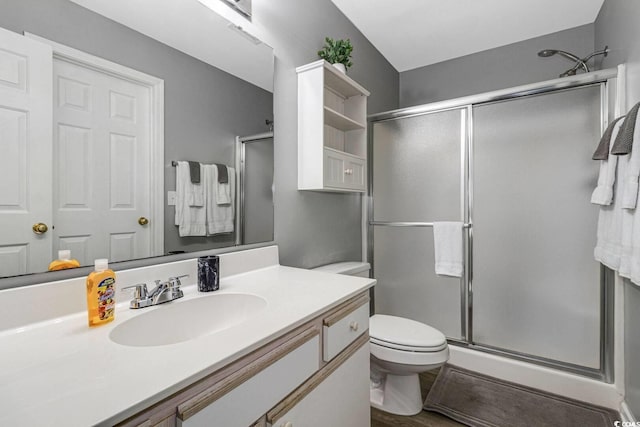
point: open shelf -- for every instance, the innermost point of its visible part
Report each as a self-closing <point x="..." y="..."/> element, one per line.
<point x="342" y="83"/>
<point x="340" y="121"/>
<point x="344" y="153"/>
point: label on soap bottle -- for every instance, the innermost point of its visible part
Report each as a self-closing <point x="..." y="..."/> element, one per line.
<point x="106" y="298"/>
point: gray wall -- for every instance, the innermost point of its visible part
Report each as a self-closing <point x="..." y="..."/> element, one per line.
<point x="507" y="66"/>
<point x="618" y="25"/>
<point x="313" y="228"/>
<point x="205" y="108"/>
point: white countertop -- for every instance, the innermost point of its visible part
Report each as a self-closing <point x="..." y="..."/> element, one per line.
<point x="62" y="373"/>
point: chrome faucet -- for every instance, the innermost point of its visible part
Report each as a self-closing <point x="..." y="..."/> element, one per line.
<point x="161" y="293"/>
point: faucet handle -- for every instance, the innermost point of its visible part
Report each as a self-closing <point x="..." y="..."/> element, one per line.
<point x="140" y="291"/>
<point x="175" y="281"/>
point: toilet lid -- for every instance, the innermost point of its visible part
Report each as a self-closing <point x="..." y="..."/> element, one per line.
<point x="405" y="334"/>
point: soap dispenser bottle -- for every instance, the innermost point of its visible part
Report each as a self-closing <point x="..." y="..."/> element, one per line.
<point x="101" y="293"/>
<point x="64" y="261"/>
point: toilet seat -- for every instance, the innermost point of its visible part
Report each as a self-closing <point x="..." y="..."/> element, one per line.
<point x="410" y="358"/>
<point x="396" y="346"/>
<point x="407" y="342"/>
<point x="405" y="334"/>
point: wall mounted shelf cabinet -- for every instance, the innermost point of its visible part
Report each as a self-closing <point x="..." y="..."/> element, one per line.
<point x="332" y="130"/>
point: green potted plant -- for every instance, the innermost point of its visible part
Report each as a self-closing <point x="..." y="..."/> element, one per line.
<point x="337" y="52"/>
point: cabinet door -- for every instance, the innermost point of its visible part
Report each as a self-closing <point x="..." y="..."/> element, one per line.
<point x="240" y="399"/>
<point x="355" y="174"/>
<point x="343" y="171"/>
<point x="342" y="399"/>
<point x="334" y="169"/>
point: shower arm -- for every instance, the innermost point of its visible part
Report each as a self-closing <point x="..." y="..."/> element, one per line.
<point x="579" y="62"/>
<point x="603" y="52"/>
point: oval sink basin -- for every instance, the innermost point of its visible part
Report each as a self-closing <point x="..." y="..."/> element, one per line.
<point x="181" y="321"/>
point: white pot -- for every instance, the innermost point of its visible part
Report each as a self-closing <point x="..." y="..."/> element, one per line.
<point x="340" y="67"/>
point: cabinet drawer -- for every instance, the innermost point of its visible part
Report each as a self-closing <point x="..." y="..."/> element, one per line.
<point x="343" y="326"/>
<point x="250" y="393"/>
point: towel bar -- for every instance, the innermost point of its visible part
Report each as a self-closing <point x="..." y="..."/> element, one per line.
<point x="175" y="163"/>
<point x="409" y="224"/>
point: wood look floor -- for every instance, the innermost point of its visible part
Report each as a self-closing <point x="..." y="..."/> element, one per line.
<point x="423" y="419"/>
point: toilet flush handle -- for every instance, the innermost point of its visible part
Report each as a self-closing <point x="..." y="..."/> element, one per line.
<point x="354" y="326"/>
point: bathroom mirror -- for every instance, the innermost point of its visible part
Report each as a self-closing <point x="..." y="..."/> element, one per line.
<point x="217" y="83"/>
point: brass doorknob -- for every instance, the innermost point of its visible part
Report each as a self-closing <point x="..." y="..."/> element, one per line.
<point x="143" y="221"/>
<point x="40" y="228"/>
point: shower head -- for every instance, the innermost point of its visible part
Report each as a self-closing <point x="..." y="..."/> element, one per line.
<point x="550" y="52"/>
<point x="547" y="53"/>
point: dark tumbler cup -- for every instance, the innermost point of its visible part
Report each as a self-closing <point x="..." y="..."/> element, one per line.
<point x="208" y="273"/>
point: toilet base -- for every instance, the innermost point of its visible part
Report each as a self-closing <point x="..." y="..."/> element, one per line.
<point x="401" y="395"/>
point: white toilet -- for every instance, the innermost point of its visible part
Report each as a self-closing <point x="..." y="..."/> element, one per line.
<point x="400" y="350"/>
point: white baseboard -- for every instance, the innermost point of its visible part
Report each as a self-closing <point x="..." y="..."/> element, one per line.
<point x="626" y="415"/>
<point x="539" y="377"/>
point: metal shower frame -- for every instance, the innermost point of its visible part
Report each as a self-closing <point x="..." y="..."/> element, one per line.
<point x="606" y="80"/>
<point x="240" y="164"/>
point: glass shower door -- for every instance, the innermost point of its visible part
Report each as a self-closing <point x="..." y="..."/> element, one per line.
<point x="536" y="286"/>
<point x="257" y="213"/>
<point x="417" y="177"/>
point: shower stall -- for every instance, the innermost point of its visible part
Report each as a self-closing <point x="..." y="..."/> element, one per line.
<point x="514" y="166"/>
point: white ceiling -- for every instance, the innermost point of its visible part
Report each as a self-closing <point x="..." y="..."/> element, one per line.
<point x="415" y="33"/>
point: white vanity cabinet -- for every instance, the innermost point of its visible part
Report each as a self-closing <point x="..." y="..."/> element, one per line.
<point x="340" y="398"/>
<point x="248" y="393"/>
<point x="285" y="381"/>
<point x="332" y="130"/>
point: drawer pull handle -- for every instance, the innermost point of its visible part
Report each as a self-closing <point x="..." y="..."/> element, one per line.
<point x="354" y="326"/>
<point x="287" y="424"/>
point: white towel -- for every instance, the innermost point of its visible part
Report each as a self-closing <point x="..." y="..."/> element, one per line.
<point x="196" y="196"/>
<point x="631" y="244"/>
<point x="190" y="219"/>
<point x="220" y="218"/>
<point x="618" y="235"/>
<point x="631" y="258"/>
<point x="223" y="191"/>
<point x="630" y="183"/>
<point x="630" y="216"/>
<point x="603" y="193"/>
<point x="629" y="236"/>
<point x="447" y="240"/>
<point x="609" y="233"/>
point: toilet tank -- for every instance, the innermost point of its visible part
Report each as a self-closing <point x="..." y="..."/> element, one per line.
<point x="350" y="268"/>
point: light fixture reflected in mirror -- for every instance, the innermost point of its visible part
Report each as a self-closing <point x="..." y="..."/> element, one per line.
<point x="243" y="7"/>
